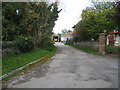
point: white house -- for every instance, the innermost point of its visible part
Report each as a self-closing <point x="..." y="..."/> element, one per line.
<point x="66" y="37"/>
<point x="113" y="37"/>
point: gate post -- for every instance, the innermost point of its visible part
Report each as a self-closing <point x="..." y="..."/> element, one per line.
<point x="102" y="43"/>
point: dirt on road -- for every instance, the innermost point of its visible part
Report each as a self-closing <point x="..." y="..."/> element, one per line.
<point x="71" y="68"/>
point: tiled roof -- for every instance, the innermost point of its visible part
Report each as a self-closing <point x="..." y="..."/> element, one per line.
<point x="68" y="34"/>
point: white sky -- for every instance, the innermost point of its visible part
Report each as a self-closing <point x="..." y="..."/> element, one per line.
<point x="70" y="15"/>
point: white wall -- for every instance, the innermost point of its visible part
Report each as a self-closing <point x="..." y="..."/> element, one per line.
<point x="117" y="41"/>
<point x="64" y="39"/>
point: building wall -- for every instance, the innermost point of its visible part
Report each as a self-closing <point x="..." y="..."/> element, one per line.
<point x="65" y="38"/>
<point x="113" y="39"/>
<point x="117" y="41"/>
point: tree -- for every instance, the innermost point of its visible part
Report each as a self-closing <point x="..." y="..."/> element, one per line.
<point x="43" y="22"/>
<point x="35" y="20"/>
<point x="11" y="21"/>
<point x="96" y="19"/>
<point x="118" y="14"/>
<point x="69" y="31"/>
<point x="65" y="31"/>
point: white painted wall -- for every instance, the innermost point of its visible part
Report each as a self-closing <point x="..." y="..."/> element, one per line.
<point x="117" y="41"/>
<point x="64" y="39"/>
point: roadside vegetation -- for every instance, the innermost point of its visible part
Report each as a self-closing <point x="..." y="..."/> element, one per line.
<point x="113" y="49"/>
<point x="16" y="61"/>
<point x="28" y="27"/>
<point x="100" y="17"/>
<point x="85" y="49"/>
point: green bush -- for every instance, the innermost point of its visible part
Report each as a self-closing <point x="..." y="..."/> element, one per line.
<point x="7" y="44"/>
<point x="51" y="48"/>
<point x="112" y="49"/>
<point x="46" y="43"/>
<point x="23" y="44"/>
<point x="70" y="42"/>
<point x="76" y="39"/>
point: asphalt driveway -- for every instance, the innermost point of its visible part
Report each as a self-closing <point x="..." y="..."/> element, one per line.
<point x="71" y="68"/>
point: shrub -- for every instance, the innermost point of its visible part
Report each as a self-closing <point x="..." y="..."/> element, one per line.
<point x="76" y="39"/>
<point x="112" y="49"/>
<point x="46" y="43"/>
<point x="70" y="42"/>
<point x="50" y="48"/>
<point x="23" y="44"/>
<point x="7" y="44"/>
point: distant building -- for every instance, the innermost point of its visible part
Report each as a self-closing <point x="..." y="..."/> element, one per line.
<point x="66" y="37"/>
<point x="74" y="31"/>
<point x="56" y="37"/>
<point x="113" y="38"/>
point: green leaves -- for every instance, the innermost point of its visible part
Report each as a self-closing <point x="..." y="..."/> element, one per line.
<point x="96" y="19"/>
<point x="35" y="20"/>
<point x="23" y="44"/>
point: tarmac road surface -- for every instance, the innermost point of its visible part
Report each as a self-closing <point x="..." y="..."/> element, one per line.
<point x="71" y="68"/>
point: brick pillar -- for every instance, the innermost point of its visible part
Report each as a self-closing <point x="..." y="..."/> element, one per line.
<point x="102" y="43"/>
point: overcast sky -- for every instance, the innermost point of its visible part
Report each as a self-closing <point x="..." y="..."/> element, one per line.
<point x="70" y="14"/>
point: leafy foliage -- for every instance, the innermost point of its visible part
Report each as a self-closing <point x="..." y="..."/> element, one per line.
<point x="23" y="44"/>
<point x="70" y="42"/>
<point x="112" y="49"/>
<point x="65" y="31"/>
<point x="50" y="48"/>
<point x="34" y="20"/>
<point x="11" y="22"/>
<point x="96" y="19"/>
<point x="11" y="63"/>
<point x="118" y="14"/>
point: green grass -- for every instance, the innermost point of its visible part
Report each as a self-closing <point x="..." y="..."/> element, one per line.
<point x="31" y="66"/>
<point x="10" y="63"/>
<point x="113" y="49"/>
<point x="88" y="50"/>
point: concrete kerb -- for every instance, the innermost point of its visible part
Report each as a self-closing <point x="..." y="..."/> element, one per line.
<point x="12" y="72"/>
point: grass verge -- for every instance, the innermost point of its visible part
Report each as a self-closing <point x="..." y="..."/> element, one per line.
<point x="113" y="49"/>
<point x="88" y="50"/>
<point x="10" y="63"/>
<point x="23" y="71"/>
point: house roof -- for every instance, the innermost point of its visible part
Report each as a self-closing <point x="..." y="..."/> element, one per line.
<point x="114" y="32"/>
<point x="68" y="34"/>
